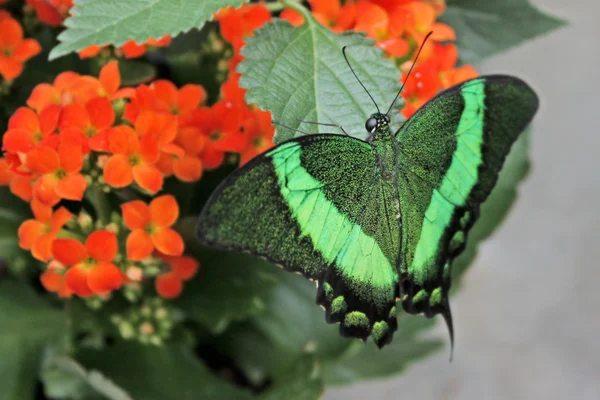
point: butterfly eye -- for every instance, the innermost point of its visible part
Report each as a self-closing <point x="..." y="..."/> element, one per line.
<point x="387" y="118"/>
<point x="371" y="124"/>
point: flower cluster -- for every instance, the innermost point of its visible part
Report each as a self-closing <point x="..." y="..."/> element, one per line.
<point x="71" y="142"/>
<point x="14" y="50"/>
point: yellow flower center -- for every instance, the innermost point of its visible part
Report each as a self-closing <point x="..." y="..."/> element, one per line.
<point x="135" y="160"/>
<point x="90" y="131"/>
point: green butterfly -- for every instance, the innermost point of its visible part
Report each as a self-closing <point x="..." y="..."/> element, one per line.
<point x="379" y="220"/>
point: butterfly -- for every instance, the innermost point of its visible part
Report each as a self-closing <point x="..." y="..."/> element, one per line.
<point x="376" y="221"/>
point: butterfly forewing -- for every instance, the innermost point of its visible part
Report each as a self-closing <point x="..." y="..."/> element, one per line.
<point x="451" y="151"/>
<point x="318" y="205"/>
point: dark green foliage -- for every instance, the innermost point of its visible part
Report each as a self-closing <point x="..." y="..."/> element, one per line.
<point x="485" y="28"/>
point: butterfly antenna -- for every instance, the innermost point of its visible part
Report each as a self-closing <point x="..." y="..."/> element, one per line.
<point x="356" y="76"/>
<point x="447" y="314"/>
<point x="409" y="71"/>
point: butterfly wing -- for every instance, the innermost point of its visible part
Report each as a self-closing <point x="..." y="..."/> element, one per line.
<point x="317" y="205"/>
<point x="450" y="153"/>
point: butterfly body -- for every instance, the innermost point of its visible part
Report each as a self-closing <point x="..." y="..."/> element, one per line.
<point x="378" y="220"/>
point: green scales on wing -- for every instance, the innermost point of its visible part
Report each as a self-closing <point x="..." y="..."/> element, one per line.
<point x="378" y="220"/>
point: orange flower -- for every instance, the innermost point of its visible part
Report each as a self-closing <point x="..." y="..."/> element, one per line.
<point x="133" y="159"/>
<point x="38" y="234"/>
<point x="26" y="129"/>
<point x="92" y="271"/>
<point x="151" y="227"/>
<point x="60" y="172"/>
<point x="178" y="102"/>
<point x="237" y="24"/>
<point x="14" y="50"/>
<point x="222" y="124"/>
<point x="170" y="284"/>
<point x="160" y="126"/>
<point x="51" y="12"/>
<point x="163" y="96"/>
<point x="53" y="279"/>
<point x="260" y="132"/>
<point x="60" y="93"/>
<point x="90" y="122"/>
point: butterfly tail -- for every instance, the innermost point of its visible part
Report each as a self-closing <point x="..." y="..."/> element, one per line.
<point x="357" y="318"/>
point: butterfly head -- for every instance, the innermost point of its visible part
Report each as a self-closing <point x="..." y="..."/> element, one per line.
<point x="376" y="122"/>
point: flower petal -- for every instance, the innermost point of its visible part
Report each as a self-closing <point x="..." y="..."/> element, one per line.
<point x="26" y="49"/>
<point x="168" y="242"/>
<point x="42" y="247"/>
<point x="74" y="116"/>
<point x="139" y="245"/>
<point x="43" y="160"/>
<point x="118" y="171"/>
<point x="24" y="118"/>
<point x="190" y="97"/>
<point x="12" y="33"/>
<point x="68" y="251"/>
<point x="123" y="139"/>
<point x="76" y="279"/>
<point x="184" y="267"/>
<point x="71" y="187"/>
<point x="164" y="210"/>
<point x="188" y="169"/>
<point x="29" y="232"/>
<point x="43" y="95"/>
<point x="148" y="177"/>
<point x="104" y="278"/>
<point x="71" y="156"/>
<point x="110" y="78"/>
<point x="101" y="112"/>
<point x="51" y="280"/>
<point x="168" y="286"/>
<point x="102" y="245"/>
<point x="136" y="214"/>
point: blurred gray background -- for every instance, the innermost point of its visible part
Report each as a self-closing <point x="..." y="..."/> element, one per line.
<point x="527" y="318"/>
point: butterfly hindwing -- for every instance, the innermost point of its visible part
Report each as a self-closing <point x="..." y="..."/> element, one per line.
<point x="318" y="205"/>
<point x="451" y="151"/>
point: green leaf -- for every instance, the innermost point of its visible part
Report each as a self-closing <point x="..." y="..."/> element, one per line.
<point x="497" y="206"/>
<point x="27" y="325"/>
<point x="114" y="22"/>
<point x="299" y="74"/>
<point x="66" y="378"/>
<point x="13" y="212"/>
<point x="135" y="72"/>
<point x="290" y="327"/>
<point x="171" y="372"/>
<point x="229" y="287"/>
<point x="366" y="361"/>
<point x="301" y="382"/>
<point x="484" y="28"/>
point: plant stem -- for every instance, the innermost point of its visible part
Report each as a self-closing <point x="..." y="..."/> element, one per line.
<point x="98" y="198"/>
<point x="296" y="6"/>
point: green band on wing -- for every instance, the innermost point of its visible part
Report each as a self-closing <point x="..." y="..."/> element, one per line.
<point x="356" y="255"/>
<point x="457" y="184"/>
